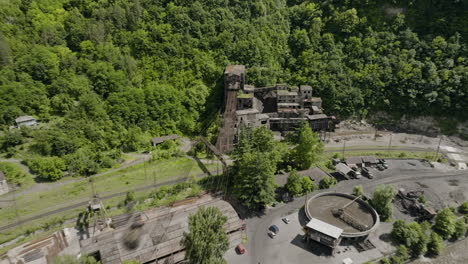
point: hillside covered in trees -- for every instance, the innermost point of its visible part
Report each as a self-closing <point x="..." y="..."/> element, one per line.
<point x="103" y="73"/>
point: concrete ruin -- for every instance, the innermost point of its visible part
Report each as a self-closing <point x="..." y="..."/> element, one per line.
<point x="152" y="236"/>
<point x="41" y="251"/>
<point x="337" y="216"/>
<point x="280" y="108"/>
<point x="155" y="236"/>
<point x="3" y="184"/>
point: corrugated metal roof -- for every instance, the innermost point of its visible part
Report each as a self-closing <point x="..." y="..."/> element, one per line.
<point x="325" y="228"/>
<point x="353" y="160"/>
<point x="343" y="168"/>
<point x="370" y="159"/>
<point x="24" y="119"/>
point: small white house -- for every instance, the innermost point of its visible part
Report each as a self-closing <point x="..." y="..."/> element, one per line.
<point x="3" y="184"/>
<point x="25" y="121"/>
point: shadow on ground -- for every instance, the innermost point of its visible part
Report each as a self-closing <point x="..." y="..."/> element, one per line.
<point x="311" y="246"/>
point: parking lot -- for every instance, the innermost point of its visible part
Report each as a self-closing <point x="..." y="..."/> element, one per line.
<point x="442" y="185"/>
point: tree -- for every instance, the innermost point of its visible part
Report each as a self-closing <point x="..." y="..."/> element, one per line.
<point x="11" y="138"/>
<point x="445" y="223"/>
<point x="308" y="185"/>
<point x="460" y="229"/>
<point x="358" y="191"/>
<point x="207" y="240"/>
<point x="411" y="235"/>
<point x="435" y="245"/>
<point x="50" y="168"/>
<point x="382" y="200"/>
<point x="402" y="253"/>
<point x="307" y="149"/>
<point x="327" y="182"/>
<point x="253" y="183"/>
<point x="294" y="183"/>
<point x="82" y="162"/>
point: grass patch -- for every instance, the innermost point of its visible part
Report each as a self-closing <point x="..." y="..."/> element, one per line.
<point x="163" y="196"/>
<point x="16" y="175"/>
<point x="124" y="180"/>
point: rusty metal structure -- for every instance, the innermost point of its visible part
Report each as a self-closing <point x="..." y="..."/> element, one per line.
<point x="348" y="218"/>
<point x="43" y="250"/>
<point x="280" y="107"/>
<point x="408" y="203"/>
<point x="157" y="234"/>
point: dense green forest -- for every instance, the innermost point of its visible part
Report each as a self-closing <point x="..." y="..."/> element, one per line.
<point x="102" y="74"/>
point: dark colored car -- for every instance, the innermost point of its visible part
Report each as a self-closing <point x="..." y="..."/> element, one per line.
<point x="274" y="229"/>
<point x="367" y="173"/>
<point x="384" y="163"/>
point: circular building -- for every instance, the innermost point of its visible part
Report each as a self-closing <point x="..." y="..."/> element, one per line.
<point x="333" y="216"/>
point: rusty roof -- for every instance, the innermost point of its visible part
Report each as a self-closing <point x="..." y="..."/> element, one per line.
<point x="353" y="160"/>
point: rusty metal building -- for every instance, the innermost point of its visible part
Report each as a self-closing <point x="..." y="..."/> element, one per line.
<point x="280" y="107"/>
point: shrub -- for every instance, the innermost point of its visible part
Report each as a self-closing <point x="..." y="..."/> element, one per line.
<point x="382" y="200"/>
<point x="308" y="185"/>
<point x="13" y="174"/>
<point x="463" y="208"/>
<point x="445" y="223"/>
<point x="460" y="229"/>
<point x="435" y="245"/>
<point x="358" y="191"/>
<point x="327" y="182"/>
<point x="50" y="168"/>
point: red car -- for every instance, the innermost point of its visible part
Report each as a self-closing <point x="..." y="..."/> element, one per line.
<point x="240" y="249"/>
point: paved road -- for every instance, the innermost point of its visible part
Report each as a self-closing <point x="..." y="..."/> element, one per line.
<point x="257" y="226"/>
<point x="378" y="148"/>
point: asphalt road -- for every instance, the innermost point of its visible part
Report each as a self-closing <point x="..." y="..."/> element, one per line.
<point x="257" y="226"/>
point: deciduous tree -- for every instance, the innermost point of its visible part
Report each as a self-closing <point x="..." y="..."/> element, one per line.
<point x="207" y="240"/>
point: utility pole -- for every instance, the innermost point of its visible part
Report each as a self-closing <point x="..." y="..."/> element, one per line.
<point x="144" y="168"/>
<point x="438" y="148"/>
<point x="390" y="143"/>
<point x="344" y="147"/>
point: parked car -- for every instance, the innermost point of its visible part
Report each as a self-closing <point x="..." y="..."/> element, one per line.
<point x="286" y="220"/>
<point x="271" y="234"/>
<point x="240" y="249"/>
<point x="366" y="172"/>
<point x="274" y="229"/>
<point x="384" y="163"/>
<point x="380" y="167"/>
<point x="355" y="174"/>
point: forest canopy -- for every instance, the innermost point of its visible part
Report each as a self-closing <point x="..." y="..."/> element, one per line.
<point x="108" y="71"/>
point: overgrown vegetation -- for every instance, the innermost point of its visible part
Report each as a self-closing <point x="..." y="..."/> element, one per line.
<point x="105" y="76"/>
<point x="427" y="239"/>
<point x="15" y="175"/>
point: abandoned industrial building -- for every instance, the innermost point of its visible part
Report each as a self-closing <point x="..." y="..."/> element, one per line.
<point x="279" y="107"/>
